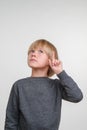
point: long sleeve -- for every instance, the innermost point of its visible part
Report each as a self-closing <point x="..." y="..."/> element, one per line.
<point x="12" y="112"/>
<point x="70" y="90"/>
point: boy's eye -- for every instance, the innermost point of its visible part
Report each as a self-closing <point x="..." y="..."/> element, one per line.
<point x="40" y="51"/>
<point x="31" y="51"/>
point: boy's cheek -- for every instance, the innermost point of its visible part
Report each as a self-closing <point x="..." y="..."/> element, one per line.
<point x="28" y="61"/>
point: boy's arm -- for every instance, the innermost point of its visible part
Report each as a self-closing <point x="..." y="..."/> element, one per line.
<point x="12" y="112"/>
<point x="70" y="90"/>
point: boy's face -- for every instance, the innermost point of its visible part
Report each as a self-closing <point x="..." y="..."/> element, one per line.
<point x="37" y="58"/>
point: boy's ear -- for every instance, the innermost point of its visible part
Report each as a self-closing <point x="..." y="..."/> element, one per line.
<point x="53" y="55"/>
<point x="49" y="61"/>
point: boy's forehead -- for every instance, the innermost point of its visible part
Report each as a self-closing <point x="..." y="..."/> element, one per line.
<point x="38" y="47"/>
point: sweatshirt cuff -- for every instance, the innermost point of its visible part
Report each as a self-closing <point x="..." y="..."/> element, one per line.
<point x="62" y="75"/>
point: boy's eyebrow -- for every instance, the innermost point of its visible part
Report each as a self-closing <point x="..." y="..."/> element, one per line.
<point x="37" y="49"/>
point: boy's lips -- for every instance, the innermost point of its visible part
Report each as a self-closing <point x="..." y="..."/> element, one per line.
<point x="33" y="60"/>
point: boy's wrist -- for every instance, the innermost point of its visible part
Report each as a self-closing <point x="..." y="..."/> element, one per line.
<point x="62" y="74"/>
<point x="59" y="72"/>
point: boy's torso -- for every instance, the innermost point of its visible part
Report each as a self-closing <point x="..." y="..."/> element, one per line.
<point x="39" y="104"/>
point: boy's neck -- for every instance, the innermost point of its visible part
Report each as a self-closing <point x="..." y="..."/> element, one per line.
<point x="39" y="73"/>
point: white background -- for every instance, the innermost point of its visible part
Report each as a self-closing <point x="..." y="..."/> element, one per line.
<point x="64" y="23"/>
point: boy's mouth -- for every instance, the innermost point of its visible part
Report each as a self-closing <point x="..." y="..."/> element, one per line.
<point x="33" y="59"/>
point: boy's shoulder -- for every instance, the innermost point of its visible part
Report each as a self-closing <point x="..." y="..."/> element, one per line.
<point x="20" y="81"/>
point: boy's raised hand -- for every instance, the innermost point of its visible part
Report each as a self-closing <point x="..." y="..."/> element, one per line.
<point x="56" y="65"/>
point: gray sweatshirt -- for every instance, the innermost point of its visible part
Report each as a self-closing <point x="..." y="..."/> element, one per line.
<point x="35" y="102"/>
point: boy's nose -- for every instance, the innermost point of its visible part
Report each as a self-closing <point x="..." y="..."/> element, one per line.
<point x="34" y="53"/>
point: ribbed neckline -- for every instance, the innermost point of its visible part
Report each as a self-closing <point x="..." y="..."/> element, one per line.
<point x="39" y="78"/>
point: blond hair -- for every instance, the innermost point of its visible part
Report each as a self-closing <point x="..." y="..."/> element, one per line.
<point x="49" y="49"/>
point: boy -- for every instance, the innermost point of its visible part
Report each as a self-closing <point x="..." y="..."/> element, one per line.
<point x="35" y="101"/>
